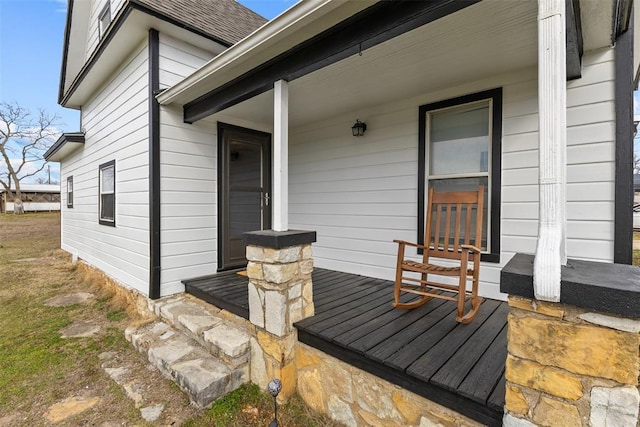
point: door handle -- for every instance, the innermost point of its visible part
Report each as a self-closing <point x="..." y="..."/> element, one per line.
<point x="265" y="197"/>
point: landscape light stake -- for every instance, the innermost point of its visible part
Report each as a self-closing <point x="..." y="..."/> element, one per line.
<point x="274" y="387"/>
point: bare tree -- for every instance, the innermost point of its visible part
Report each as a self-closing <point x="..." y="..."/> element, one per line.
<point x="23" y="141"/>
<point x="43" y="180"/>
<point x="636" y="163"/>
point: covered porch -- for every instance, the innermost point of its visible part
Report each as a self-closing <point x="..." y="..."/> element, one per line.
<point x="423" y="350"/>
<point x="385" y="64"/>
<point x="304" y="86"/>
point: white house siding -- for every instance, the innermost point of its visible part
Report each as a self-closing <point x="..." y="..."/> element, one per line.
<point x="115" y="121"/>
<point x="590" y="159"/>
<point x="189" y="192"/>
<point x="188" y="183"/>
<point x="93" y="34"/>
<point x="361" y="193"/>
<point x="179" y="59"/>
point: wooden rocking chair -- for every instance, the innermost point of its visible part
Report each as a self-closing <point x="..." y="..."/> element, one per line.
<point x="451" y="240"/>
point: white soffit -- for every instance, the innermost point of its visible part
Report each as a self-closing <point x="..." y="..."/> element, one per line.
<point x="470" y="45"/>
<point x="301" y="22"/>
<point x="596" y="18"/>
<point x="66" y="149"/>
<point x="77" y="40"/>
<point x="128" y="37"/>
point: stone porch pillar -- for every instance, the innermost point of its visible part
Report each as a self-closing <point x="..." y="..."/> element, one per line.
<point x="576" y="362"/>
<point x="280" y="293"/>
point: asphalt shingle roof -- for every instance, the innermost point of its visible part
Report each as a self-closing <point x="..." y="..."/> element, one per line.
<point x="226" y="20"/>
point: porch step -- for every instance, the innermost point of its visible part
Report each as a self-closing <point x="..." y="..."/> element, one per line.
<point x="203" y="352"/>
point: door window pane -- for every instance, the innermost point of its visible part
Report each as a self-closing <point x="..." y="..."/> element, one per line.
<point x="245" y="192"/>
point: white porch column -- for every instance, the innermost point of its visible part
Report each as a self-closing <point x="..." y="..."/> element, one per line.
<point x="280" y="156"/>
<point x="552" y="102"/>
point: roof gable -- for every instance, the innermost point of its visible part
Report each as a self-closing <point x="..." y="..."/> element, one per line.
<point x="222" y="21"/>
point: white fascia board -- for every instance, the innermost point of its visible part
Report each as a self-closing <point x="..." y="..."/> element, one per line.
<point x="275" y="37"/>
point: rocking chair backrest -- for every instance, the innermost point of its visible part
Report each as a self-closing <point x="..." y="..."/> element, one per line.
<point x="453" y="219"/>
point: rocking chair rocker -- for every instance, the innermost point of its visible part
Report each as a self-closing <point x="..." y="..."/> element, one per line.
<point x="450" y="240"/>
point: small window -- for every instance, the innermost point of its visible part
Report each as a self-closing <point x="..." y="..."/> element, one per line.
<point x="104" y="19"/>
<point x="460" y="148"/>
<point x="70" y="191"/>
<point x="107" y="191"/>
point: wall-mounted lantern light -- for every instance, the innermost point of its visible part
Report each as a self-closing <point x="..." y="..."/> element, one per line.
<point x="359" y="128"/>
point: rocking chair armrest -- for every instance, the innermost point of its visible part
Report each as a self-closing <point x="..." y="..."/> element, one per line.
<point x="471" y="248"/>
<point x="404" y="242"/>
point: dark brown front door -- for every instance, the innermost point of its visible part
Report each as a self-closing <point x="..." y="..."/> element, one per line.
<point x="244" y="188"/>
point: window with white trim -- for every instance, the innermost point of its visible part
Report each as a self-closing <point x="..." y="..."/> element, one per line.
<point x="70" y="191"/>
<point x="107" y="192"/>
<point x="459" y="149"/>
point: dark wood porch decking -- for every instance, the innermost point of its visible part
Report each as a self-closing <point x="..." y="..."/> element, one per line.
<point x="423" y="350"/>
<point x="226" y="290"/>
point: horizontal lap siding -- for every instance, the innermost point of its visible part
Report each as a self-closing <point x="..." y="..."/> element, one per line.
<point x="590" y="163"/>
<point x="179" y="59"/>
<point x="591" y="159"/>
<point x="360" y="193"/>
<point x="93" y="33"/>
<point x="188" y="183"/>
<point x="357" y="193"/>
<point x="115" y="121"/>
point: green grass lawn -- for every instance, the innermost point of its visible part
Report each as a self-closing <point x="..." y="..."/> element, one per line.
<point x="37" y="366"/>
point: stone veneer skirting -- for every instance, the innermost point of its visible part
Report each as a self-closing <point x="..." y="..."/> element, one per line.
<point x="357" y="398"/>
<point x="573" y="364"/>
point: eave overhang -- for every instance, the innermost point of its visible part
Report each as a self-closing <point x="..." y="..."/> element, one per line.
<point x="358" y="32"/>
<point x="73" y="46"/>
<point x="287" y="48"/>
<point x="127" y="30"/>
<point x="65" y="145"/>
<point x="301" y="22"/>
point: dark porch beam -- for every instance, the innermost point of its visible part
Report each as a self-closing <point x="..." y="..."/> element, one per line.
<point x="370" y="27"/>
<point x="574" y="40"/>
<point x="624" y="86"/>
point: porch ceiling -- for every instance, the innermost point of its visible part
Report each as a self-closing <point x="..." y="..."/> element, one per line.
<point x="471" y="44"/>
